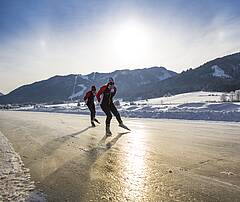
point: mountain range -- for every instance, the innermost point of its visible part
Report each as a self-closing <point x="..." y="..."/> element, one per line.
<point x="221" y="74"/>
<point x="1" y="94"/>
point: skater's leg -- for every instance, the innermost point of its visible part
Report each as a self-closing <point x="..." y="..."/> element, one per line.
<point x="93" y="112"/>
<point x="115" y="113"/>
<point x="92" y="115"/>
<point x="107" y="111"/>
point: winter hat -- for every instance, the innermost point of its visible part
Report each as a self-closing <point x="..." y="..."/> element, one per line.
<point x="110" y="80"/>
<point x="93" y="88"/>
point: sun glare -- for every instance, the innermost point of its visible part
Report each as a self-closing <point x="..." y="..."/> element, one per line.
<point x="42" y="43"/>
<point x="131" y="40"/>
<point x="135" y="166"/>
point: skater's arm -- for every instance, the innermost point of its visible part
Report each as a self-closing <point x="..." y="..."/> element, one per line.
<point x="87" y="96"/>
<point x="100" y="92"/>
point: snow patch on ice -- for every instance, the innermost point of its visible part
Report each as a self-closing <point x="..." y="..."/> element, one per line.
<point x="218" y="72"/>
<point x="15" y="180"/>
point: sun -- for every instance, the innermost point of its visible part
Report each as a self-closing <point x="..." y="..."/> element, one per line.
<point x="42" y="43"/>
<point x="131" y="40"/>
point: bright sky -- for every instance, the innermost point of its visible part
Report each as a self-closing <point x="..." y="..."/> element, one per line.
<point x="40" y="39"/>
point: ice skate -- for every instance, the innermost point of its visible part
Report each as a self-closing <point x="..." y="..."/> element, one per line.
<point x="108" y="131"/>
<point x="96" y="121"/>
<point x="93" y="124"/>
<point x="123" y="126"/>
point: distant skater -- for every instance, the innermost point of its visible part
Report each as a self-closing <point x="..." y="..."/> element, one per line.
<point x="89" y="100"/>
<point x="105" y="97"/>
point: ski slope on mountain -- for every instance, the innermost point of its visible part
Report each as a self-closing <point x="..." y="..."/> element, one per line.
<point x="218" y="72"/>
<point x="79" y="93"/>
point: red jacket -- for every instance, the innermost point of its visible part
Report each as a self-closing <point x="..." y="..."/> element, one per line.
<point x="89" y="97"/>
<point x="105" y="95"/>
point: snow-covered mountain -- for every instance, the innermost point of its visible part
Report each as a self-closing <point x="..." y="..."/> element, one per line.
<point x="59" y="88"/>
<point x="1" y="94"/>
<point x="127" y="81"/>
<point x="221" y="74"/>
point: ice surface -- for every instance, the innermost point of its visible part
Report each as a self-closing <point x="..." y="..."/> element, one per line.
<point x="15" y="180"/>
<point x="159" y="160"/>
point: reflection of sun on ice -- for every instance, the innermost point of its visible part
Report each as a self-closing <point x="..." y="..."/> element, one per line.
<point x="135" y="168"/>
<point x="131" y="40"/>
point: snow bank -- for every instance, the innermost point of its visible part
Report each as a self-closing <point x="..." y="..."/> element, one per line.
<point x="183" y="98"/>
<point x="190" y="106"/>
<point x="15" y="180"/>
<point x="187" y="115"/>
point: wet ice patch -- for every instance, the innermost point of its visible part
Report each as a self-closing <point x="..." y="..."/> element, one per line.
<point x="15" y="180"/>
<point x="227" y="173"/>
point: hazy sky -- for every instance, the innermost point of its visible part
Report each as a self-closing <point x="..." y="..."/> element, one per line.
<point x="42" y="38"/>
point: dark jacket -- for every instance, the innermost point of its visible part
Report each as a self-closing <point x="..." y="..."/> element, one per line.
<point x="105" y="95"/>
<point x="89" y="96"/>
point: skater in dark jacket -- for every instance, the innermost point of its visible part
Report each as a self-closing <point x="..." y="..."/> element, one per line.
<point x="89" y="100"/>
<point x="105" y="97"/>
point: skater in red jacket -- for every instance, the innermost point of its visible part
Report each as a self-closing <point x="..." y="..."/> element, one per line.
<point x="105" y="97"/>
<point x="89" y="100"/>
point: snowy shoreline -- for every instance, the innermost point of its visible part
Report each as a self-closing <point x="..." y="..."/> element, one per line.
<point x="187" y="106"/>
<point x="228" y="116"/>
<point x="15" y="179"/>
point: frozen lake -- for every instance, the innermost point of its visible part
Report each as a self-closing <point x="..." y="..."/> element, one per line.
<point x="168" y="160"/>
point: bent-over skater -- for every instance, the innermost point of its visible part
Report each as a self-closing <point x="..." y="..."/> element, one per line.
<point x="105" y="97"/>
<point x="89" y="100"/>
